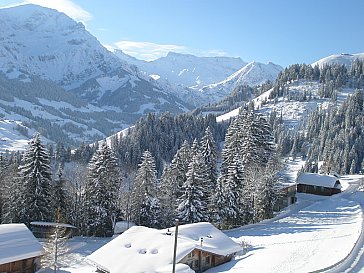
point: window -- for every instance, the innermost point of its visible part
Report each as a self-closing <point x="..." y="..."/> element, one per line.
<point x="195" y="265"/>
<point x="191" y="254"/>
<point x="207" y="260"/>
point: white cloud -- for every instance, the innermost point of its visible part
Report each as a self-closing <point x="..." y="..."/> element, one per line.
<point x="150" y="51"/>
<point x="147" y="50"/>
<point x="66" y="6"/>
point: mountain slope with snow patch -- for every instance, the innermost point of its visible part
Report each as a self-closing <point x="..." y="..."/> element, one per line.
<point x="57" y="60"/>
<point x="252" y="74"/>
<point x="345" y="59"/>
<point x="187" y="70"/>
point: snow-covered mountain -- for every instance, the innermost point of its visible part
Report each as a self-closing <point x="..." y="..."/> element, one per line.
<point x="185" y="69"/>
<point x="202" y="80"/>
<point x="48" y="43"/>
<point x="252" y="74"/>
<point x="41" y="47"/>
<point x="344" y="58"/>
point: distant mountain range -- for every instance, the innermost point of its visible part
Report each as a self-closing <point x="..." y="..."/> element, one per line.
<point x="56" y="78"/>
<point x="202" y="80"/>
<point x="187" y="70"/>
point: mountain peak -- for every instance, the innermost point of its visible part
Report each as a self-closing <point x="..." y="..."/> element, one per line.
<point x="343" y="58"/>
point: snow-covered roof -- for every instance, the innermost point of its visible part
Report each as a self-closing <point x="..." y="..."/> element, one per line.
<point x="320" y="180"/>
<point x="142" y="249"/>
<point x="51" y="224"/>
<point x="17" y="242"/>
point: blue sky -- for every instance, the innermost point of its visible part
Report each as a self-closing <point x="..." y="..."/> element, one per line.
<point x="281" y="31"/>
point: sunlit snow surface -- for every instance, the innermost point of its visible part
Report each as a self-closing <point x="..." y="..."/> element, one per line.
<point x="314" y="234"/>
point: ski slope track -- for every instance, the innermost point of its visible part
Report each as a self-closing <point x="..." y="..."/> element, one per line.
<point x="317" y="234"/>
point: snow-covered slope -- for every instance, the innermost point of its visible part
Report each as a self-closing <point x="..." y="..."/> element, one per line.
<point x="185" y="69"/>
<point x="313" y="235"/>
<point x="45" y="50"/>
<point x="47" y="43"/>
<point x="346" y="59"/>
<point x="294" y="113"/>
<point x="252" y="74"/>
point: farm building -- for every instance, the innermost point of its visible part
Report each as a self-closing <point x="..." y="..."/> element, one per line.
<point x="200" y="246"/>
<point x="287" y="196"/>
<point x="19" y="249"/>
<point x="319" y="184"/>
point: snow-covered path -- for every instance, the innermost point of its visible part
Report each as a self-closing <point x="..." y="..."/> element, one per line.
<point x="314" y="235"/>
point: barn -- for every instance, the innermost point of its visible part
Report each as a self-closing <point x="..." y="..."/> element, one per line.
<point x="20" y="251"/>
<point x="319" y="184"/>
<point x="200" y="246"/>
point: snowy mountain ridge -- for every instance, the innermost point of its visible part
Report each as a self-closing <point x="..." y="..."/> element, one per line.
<point x="185" y="69"/>
<point x="343" y="58"/>
<point x="203" y="80"/>
<point x="49" y="44"/>
<point x="252" y="74"/>
<point x="43" y="49"/>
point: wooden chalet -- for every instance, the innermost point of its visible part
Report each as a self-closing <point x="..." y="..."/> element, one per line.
<point x="20" y="251"/>
<point x="200" y="246"/>
<point x="287" y="196"/>
<point x="319" y="184"/>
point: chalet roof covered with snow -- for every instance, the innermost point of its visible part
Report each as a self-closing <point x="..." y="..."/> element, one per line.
<point x="321" y="180"/>
<point x="51" y="224"/>
<point x="142" y="249"/>
<point x="17" y="242"/>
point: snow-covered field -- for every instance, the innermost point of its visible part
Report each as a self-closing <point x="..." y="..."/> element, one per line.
<point x="314" y="235"/>
<point x="317" y="234"/>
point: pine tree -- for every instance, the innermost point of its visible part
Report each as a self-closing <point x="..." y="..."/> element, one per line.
<point x="102" y="191"/>
<point x="3" y="171"/>
<point x="192" y="206"/>
<point x="179" y="167"/>
<point x="247" y="151"/>
<point x="168" y="198"/>
<point x="144" y="192"/>
<point x="12" y="202"/>
<point x="209" y="154"/>
<point x="150" y="211"/>
<point x="36" y="187"/>
<point x="61" y="198"/>
<point x="266" y="193"/>
<point x="218" y="202"/>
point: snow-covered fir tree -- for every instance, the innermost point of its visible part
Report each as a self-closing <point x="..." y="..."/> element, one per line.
<point x="101" y="192"/>
<point x="266" y="192"/>
<point x="168" y="198"/>
<point x="12" y="200"/>
<point x="144" y="203"/>
<point x="150" y="211"/>
<point x="192" y="206"/>
<point x="179" y="167"/>
<point x="209" y="155"/>
<point x="61" y="197"/>
<point x="36" y="188"/>
<point x="217" y="204"/>
<point x="247" y="150"/>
